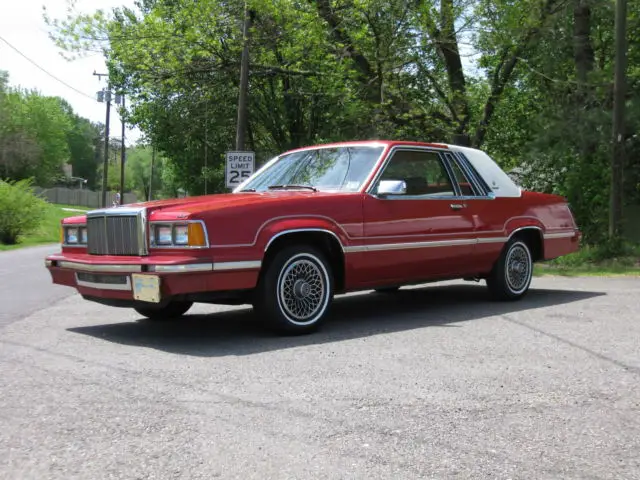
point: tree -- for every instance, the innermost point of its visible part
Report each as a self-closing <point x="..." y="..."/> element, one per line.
<point x="40" y="134"/>
<point x="528" y="80"/>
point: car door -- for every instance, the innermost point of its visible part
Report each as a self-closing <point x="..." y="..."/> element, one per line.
<point x="420" y="233"/>
<point x="489" y="213"/>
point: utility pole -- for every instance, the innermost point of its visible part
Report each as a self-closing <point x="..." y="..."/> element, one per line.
<point x="122" y="153"/>
<point x="618" y="158"/>
<point x="206" y="141"/>
<point x="244" y="82"/>
<point x="153" y="159"/>
<point x="105" y="166"/>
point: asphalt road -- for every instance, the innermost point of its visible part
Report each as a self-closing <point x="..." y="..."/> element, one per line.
<point x="434" y="382"/>
<point x="25" y="284"/>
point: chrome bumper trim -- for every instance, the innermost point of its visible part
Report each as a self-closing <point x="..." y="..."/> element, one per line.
<point x="105" y="286"/>
<point x="184" y="268"/>
<point x="137" y="268"/>
<point x="109" y="268"/>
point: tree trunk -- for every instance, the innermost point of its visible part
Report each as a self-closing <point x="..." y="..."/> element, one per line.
<point x="448" y="48"/>
<point x="583" y="52"/>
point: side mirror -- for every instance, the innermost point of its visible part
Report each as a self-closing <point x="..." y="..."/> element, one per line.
<point x="392" y="187"/>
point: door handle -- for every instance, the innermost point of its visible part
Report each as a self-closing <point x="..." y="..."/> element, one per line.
<point x="457" y="206"/>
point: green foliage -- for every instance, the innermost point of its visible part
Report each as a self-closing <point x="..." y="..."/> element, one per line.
<point x="517" y="76"/>
<point x="39" y="135"/>
<point x="608" y="258"/>
<point x="21" y="211"/>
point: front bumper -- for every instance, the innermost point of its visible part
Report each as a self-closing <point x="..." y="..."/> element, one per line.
<point x="131" y="278"/>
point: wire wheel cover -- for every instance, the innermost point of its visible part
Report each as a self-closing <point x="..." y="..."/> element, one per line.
<point x="302" y="289"/>
<point x="518" y="268"/>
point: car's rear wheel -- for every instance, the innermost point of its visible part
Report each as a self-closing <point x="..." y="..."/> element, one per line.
<point x="511" y="275"/>
<point x="295" y="292"/>
<point x="172" y="310"/>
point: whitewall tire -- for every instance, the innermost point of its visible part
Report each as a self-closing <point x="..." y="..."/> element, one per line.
<point x="296" y="290"/>
<point x="512" y="273"/>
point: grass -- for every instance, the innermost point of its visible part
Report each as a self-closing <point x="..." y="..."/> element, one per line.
<point x="49" y="230"/>
<point x="595" y="261"/>
<point x="74" y="207"/>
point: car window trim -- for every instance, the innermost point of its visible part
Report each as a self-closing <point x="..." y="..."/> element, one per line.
<point x="482" y="183"/>
<point x="409" y="148"/>
<point x="442" y="153"/>
<point x="478" y="191"/>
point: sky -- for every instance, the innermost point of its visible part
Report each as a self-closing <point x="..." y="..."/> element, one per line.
<point x="22" y="25"/>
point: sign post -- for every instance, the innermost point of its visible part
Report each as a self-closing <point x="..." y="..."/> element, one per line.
<point x="240" y="166"/>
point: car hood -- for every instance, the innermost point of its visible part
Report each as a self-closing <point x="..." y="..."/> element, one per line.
<point x="189" y="206"/>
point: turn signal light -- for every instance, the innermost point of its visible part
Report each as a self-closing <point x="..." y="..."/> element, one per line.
<point x="197" y="237"/>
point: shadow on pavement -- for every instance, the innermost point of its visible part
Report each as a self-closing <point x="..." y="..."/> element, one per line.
<point x="237" y="332"/>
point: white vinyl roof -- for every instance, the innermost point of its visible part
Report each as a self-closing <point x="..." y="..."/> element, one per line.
<point x="501" y="184"/>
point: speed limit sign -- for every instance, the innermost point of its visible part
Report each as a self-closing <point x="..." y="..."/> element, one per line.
<point x="240" y="166"/>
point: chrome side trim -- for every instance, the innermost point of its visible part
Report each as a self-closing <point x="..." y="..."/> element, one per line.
<point x="299" y="230"/>
<point x="356" y="249"/>
<point x="104" y="286"/>
<point x="552" y="236"/>
<point x="86" y="267"/>
<point x="432" y="244"/>
<point x="412" y="245"/>
<point x="248" y="265"/>
<point x="493" y="240"/>
<point x="184" y="268"/>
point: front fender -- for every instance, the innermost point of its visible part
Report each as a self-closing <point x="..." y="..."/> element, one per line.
<point x="277" y="228"/>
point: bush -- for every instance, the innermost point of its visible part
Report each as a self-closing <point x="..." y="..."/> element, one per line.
<point x="609" y="252"/>
<point x="21" y="211"/>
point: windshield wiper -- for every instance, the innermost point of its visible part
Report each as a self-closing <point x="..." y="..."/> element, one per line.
<point x="291" y="187"/>
<point x="247" y="190"/>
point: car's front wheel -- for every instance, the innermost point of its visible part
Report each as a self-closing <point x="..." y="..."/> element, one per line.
<point x="511" y="275"/>
<point x="295" y="292"/>
<point x="173" y="309"/>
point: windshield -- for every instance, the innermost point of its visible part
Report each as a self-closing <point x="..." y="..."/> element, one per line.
<point x="337" y="168"/>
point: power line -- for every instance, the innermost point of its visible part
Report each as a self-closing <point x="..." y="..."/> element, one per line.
<point x="45" y="71"/>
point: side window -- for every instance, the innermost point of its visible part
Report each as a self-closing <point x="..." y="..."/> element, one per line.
<point x="466" y="187"/>
<point x="423" y="172"/>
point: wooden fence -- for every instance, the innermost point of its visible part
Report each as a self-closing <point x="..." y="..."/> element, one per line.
<point x="82" y="198"/>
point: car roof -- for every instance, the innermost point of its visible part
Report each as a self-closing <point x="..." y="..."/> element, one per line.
<point x="501" y="184"/>
<point x="371" y="143"/>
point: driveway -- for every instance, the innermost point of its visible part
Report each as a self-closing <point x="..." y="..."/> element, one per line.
<point x="432" y="382"/>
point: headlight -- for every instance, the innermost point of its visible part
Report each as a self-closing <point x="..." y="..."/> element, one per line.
<point x="181" y="234"/>
<point x="164" y="235"/>
<point x="72" y="235"/>
<point x="188" y="235"/>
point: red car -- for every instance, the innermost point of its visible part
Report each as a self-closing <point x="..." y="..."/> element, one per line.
<point x="315" y="222"/>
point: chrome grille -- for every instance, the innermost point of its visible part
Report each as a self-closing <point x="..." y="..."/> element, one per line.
<point x="115" y="234"/>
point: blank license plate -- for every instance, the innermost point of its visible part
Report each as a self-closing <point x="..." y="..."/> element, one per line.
<point x="146" y="288"/>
